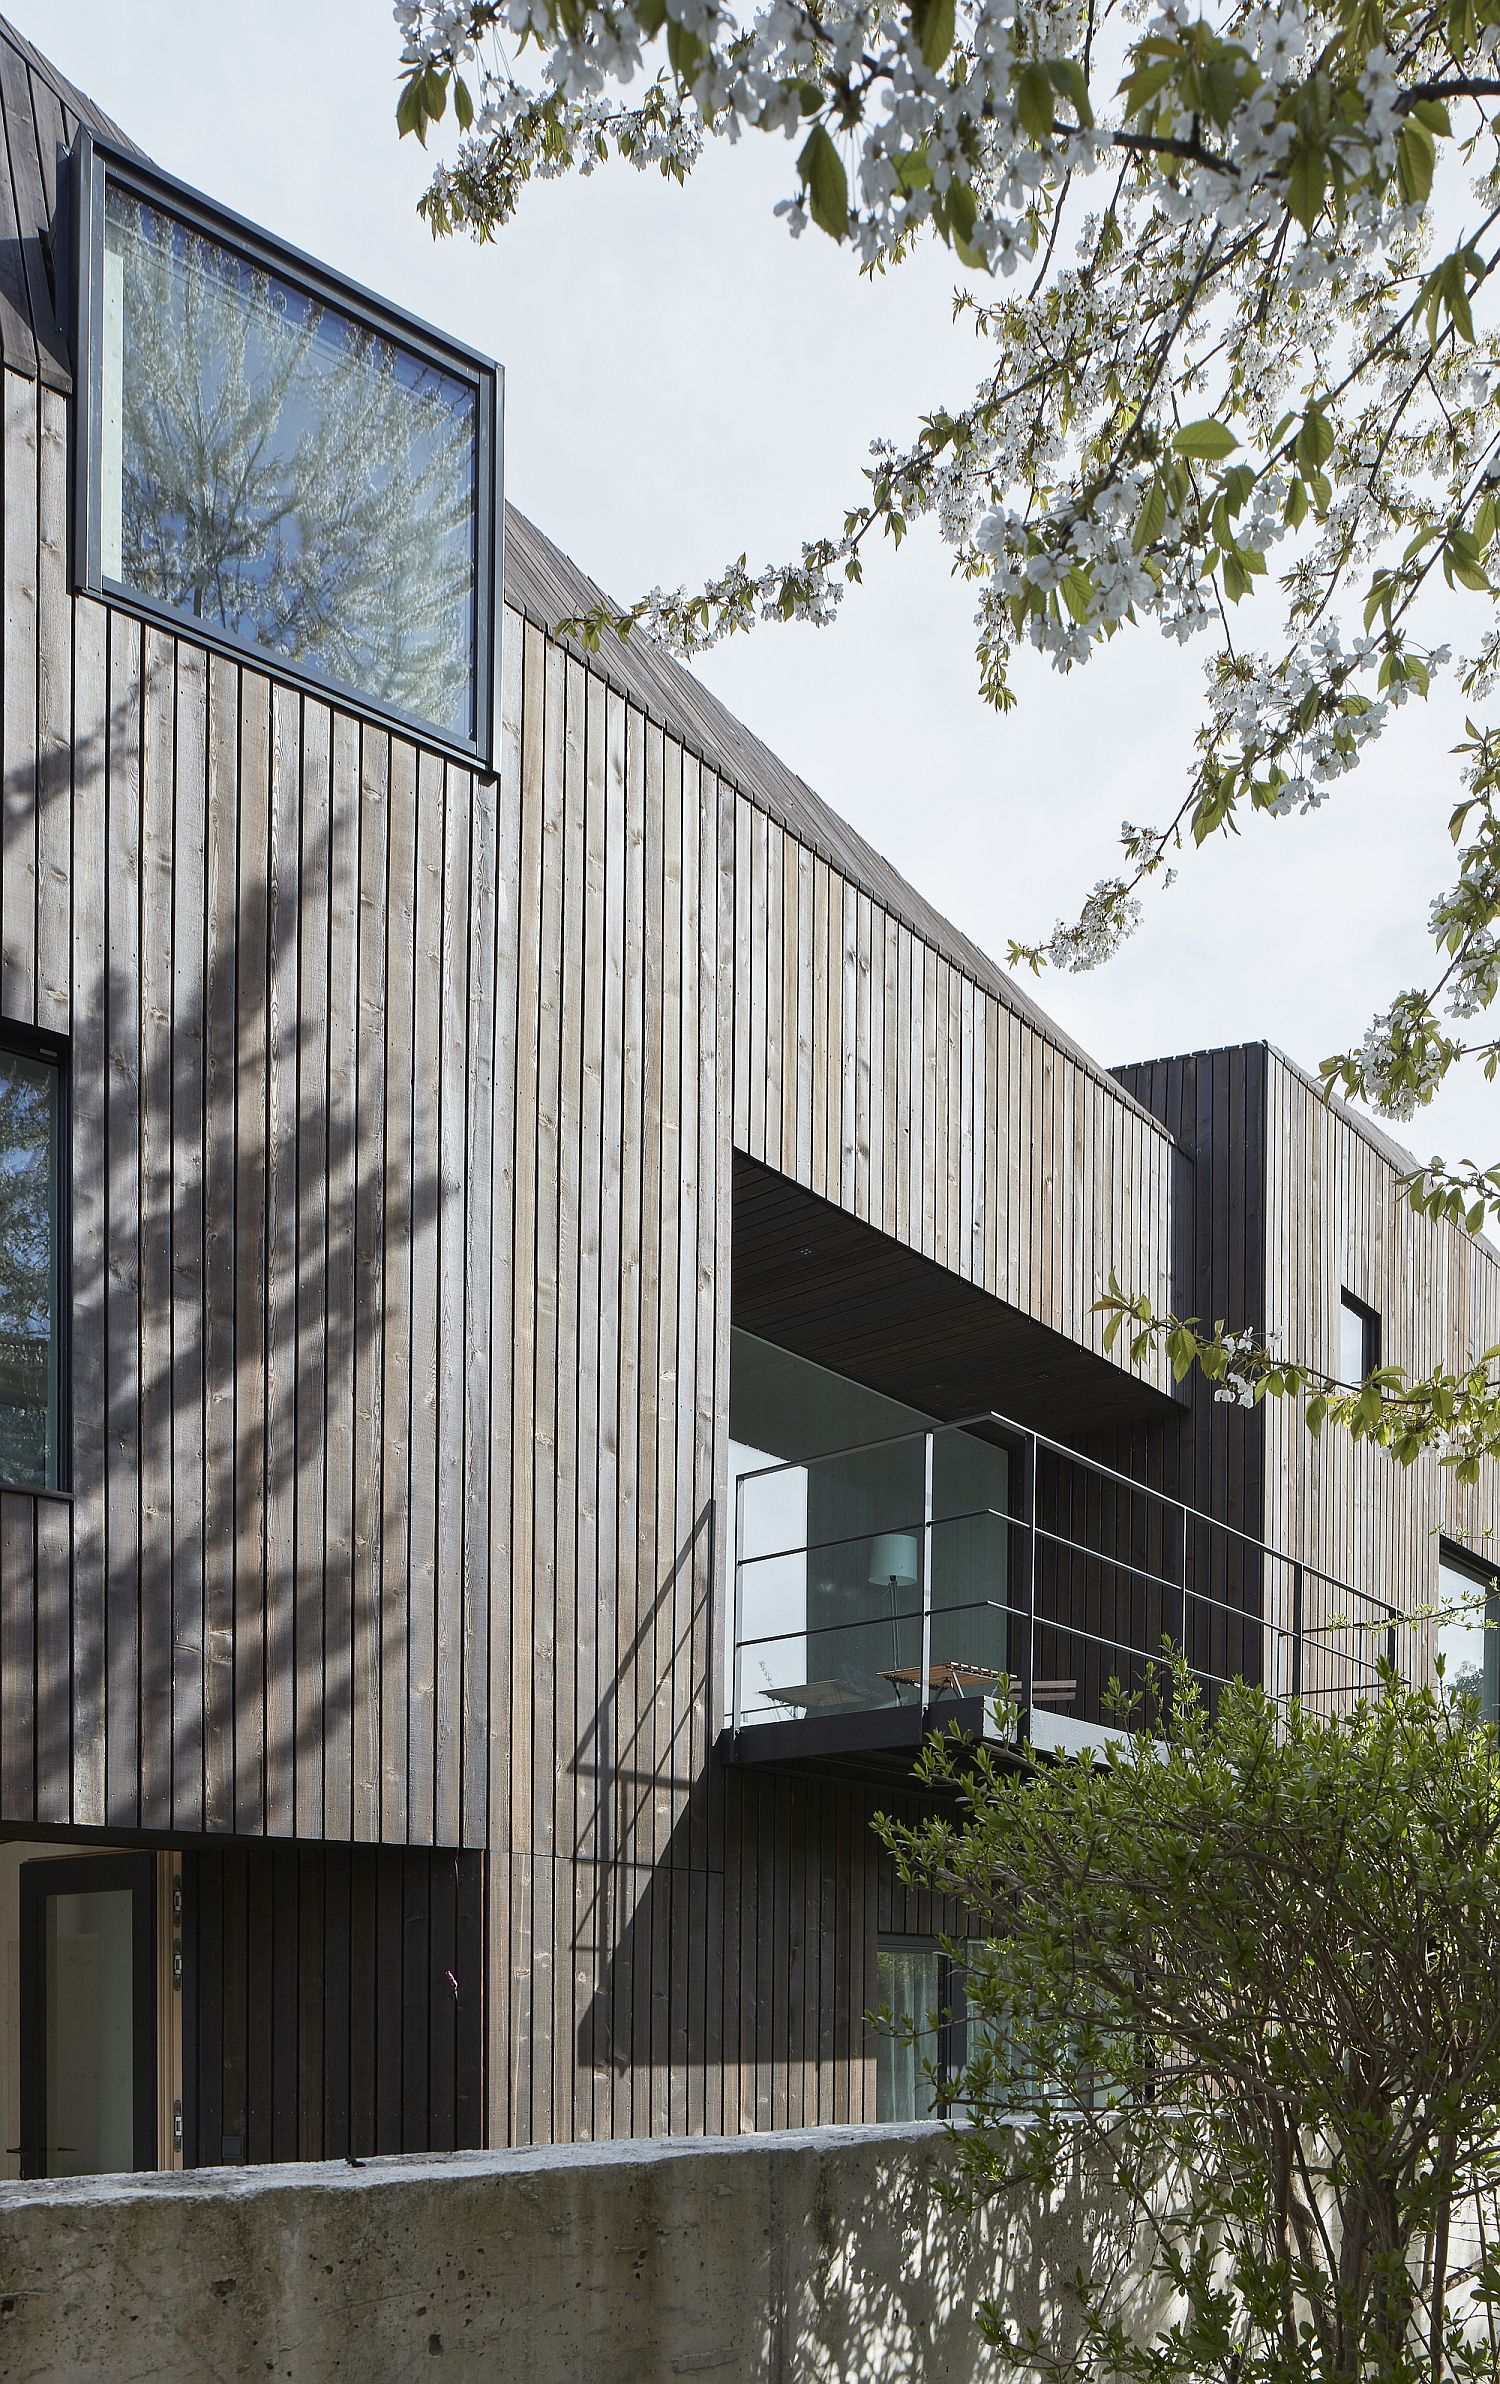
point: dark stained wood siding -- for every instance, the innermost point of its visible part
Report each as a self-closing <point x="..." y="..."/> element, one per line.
<point x="1213" y="1105"/>
<point x="1295" y="1200"/>
<point x="335" y="2000"/>
<point x="265" y="935"/>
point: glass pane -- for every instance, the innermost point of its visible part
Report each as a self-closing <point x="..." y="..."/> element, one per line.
<point x="28" y="1270"/>
<point x="906" y="1980"/>
<point x="785" y="1403"/>
<point x="1354" y="1346"/>
<point x="90" y="2035"/>
<point x="277" y="469"/>
<point x="810" y="1534"/>
<point x="1467" y="1639"/>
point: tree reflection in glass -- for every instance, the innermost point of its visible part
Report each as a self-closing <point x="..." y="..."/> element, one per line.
<point x="28" y="1270"/>
<point x="279" y="470"/>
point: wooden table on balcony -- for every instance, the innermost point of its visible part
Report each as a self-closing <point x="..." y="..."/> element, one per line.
<point x="963" y="1680"/>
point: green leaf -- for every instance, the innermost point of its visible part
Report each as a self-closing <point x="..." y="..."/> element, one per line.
<point x="963" y="212"/>
<point x="1295" y="510"/>
<point x="1068" y="77"/>
<point x="1415" y="158"/>
<point x="410" y="116"/>
<point x="1034" y="100"/>
<point x="1204" y="442"/>
<point x="1306" y="184"/>
<point x="1152" y="518"/>
<point x="687" y="53"/>
<point x="933" y="22"/>
<point x="826" y="183"/>
<point x="463" y="103"/>
<point x="1461" y="561"/>
<point x="1148" y="79"/>
<point x="1314" y="441"/>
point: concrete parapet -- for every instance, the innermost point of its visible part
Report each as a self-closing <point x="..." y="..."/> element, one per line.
<point x="823" y="2257"/>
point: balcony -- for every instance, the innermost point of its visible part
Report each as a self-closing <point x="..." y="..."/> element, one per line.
<point x="983" y="1576"/>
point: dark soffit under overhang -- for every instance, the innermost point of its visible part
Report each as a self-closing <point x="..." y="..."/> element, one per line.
<point x="817" y="1281"/>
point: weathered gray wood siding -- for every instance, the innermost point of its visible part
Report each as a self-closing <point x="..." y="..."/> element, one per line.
<point x="674" y="1947"/>
<point x="872" y="1068"/>
<point x="404" y="1111"/>
<point x="1336" y="1220"/>
<point x="265" y="933"/>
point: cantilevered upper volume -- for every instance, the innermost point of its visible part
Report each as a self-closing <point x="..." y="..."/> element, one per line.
<point x="549" y="1304"/>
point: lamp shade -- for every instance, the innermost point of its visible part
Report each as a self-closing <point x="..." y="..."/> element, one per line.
<point x="893" y="1557"/>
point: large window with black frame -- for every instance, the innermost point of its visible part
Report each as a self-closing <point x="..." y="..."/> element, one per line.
<point x="282" y="463"/>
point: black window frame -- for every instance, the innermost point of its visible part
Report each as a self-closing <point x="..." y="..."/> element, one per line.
<point x="952" y="2031"/>
<point x="97" y="164"/>
<point x="51" y="1051"/>
<point x="1484" y="1573"/>
<point x="99" y="1874"/>
<point x="1369" y="1318"/>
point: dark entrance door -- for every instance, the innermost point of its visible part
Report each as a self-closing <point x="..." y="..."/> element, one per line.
<point x="88" y="2016"/>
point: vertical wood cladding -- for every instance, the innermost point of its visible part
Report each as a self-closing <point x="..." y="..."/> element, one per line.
<point x="1337" y="1222"/>
<point x="682" y="977"/>
<point x="404" y="1114"/>
<point x="872" y="1069"/>
<point x="1294" y="1201"/>
<point x="1213" y="1104"/>
<point x="267" y="932"/>
<point x="335" y="2000"/>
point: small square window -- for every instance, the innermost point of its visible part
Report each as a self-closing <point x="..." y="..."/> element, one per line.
<point x="280" y="464"/>
<point x="1359" y="1339"/>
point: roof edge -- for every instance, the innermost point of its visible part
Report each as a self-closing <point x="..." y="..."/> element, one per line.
<point x="1368" y="1129"/>
<point x="650" y="678"/>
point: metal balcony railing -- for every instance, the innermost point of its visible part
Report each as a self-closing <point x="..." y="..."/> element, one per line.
<point x="982" y="1560"/>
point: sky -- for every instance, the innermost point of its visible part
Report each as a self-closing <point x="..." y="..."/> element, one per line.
<point x="685" y="383"/>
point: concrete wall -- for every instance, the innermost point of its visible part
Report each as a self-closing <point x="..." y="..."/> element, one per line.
<point x="822" y="2257"/>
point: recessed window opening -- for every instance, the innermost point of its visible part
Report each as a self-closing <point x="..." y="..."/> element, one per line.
<point x="30" y="1259"/>
<point x="280" y="466"/>
<point x="1359" y="1339"/>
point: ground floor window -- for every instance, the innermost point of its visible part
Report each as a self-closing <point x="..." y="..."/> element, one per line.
<point x="91" y="2031"/>
<point x="916" y="1982"/>
<point x="1468" y="1638"/>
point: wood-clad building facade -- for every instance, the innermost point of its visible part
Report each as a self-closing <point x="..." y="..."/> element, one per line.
<point x="431" y="1119"/>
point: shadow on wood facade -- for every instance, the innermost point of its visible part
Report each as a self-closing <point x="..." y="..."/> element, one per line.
<point x="427" y="1129"/>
